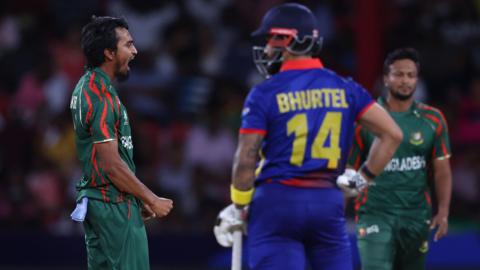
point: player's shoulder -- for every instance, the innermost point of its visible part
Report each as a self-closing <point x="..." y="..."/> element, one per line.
<point x="80" y="84"/>
<point x="328" y="73"/>
<point x="345" y="82"/>
<point x="271" y="83"/>
<point x="280" y="80"/>
<point x="425" y="109"/>
<point x="322" y="74"/>
<point x="95" y="86"/>
<point x="97" y="78"/>
<point x="265" y="88"/>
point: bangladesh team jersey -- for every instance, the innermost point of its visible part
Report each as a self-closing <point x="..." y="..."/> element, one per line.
<point x="404" y="182"/>
<point x="307" y="115"/>
<point x="99" y="116"/>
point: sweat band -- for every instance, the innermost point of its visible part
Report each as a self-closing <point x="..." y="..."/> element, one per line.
<point x="241" y="197"/>
<point x="367" y="171"/>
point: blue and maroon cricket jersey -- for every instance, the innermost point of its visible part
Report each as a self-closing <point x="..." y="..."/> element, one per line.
<point x="307" y="115"/>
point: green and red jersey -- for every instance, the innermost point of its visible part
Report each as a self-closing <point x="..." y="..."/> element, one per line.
<point x="98" y="117"/>
<point x="403" y="184"/>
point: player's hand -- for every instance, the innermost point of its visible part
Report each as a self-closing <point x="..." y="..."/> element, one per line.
<point x="440" y="220"/>
<point x="351" y="182"/>
<point x="147" y="212"/>
<point x="160" y="206"/>
<point x="229" y="220"/>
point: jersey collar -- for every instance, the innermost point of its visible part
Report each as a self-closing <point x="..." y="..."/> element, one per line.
<point x="413" y="108"/>
<point x="306" y="63"/>
<point x="102" y="74"/>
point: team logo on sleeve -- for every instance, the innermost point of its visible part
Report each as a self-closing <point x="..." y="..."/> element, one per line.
<point x="127" y="142"/>
<point x="416" y="138"/>
<point x="245" y="111"/>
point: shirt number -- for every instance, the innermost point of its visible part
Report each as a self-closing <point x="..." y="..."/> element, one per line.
<point x="330" y="126"/>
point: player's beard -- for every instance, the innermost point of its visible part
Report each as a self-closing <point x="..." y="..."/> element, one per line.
<point x="400" y="96"/>
<point x="122" y="75"/>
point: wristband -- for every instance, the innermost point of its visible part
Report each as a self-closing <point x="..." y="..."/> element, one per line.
<point x="240" y="197"/>
<point x="367" y="171"/>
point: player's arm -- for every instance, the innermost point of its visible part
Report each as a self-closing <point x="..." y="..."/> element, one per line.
<point x="252" y="131"/>
<point x="99" y="119"/>
<point x="356" y="157"/>
<point x="388" y="137"/>
<point x="443" y="191"/>
<point x="124" y="179"/>
<point x="233" y="217"/>
<point x="442" y="176"/>
<point x="358" y="151"/>
<point x="251" y="134"/>
<point x="244" y="164"/>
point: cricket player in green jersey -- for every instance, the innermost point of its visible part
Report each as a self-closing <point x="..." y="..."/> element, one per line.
<point x="111" y="200"/>
<point x="394" y="214"/>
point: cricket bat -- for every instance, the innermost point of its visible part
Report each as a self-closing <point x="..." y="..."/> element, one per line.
<point x="237" y="250"/>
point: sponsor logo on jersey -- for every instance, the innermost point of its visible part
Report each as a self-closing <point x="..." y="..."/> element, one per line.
<point x="416" y="138"/>
<point x="406" y="164"/>
<point x="424" y="247"/>
<point x="373" y="229"/>
<point x="127" y="142"/>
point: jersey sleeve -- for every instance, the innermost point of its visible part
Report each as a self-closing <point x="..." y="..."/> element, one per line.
<point x="363" y="99"/>
<point x="99" y="112"/>
<point x="358" y="153"/>
<point x="254" y="114"/>
<point x="441" y="143"/>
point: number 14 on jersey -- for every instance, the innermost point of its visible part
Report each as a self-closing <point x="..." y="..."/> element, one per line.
<point x="331" y="124"/>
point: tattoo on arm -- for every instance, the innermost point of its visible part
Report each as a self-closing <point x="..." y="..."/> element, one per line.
<point x="245" y="160"/>
<point x="255" y="147"/>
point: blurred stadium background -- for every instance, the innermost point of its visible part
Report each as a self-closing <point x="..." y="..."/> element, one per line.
<point x="185" y="94"/>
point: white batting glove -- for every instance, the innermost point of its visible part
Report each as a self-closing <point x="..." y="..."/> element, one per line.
<point x="351" y="182"/>
<point x="229" y="220"/>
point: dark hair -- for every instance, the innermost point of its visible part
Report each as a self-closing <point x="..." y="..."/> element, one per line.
<point x="99" y="34"/>
<point x="400" y="54"/>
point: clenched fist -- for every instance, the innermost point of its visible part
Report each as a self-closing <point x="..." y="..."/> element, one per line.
<point x="159" y="207"/>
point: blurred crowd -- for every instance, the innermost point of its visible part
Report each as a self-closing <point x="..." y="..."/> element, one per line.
<point x="186" y="91"/>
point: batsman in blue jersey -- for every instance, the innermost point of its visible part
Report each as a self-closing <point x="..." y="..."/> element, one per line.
<point x="296" y="132"/>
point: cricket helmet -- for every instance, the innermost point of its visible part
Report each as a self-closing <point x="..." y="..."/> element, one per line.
<point x="291" y="27"/>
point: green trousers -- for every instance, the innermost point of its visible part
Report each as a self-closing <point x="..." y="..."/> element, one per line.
<point x="115" y="236"/>
<point x="393" y="241"/>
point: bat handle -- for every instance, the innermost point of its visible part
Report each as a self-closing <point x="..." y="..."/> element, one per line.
<point x="237" y="250"/>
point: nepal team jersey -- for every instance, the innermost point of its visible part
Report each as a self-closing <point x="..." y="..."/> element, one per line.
<point x="306" y="114"/>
